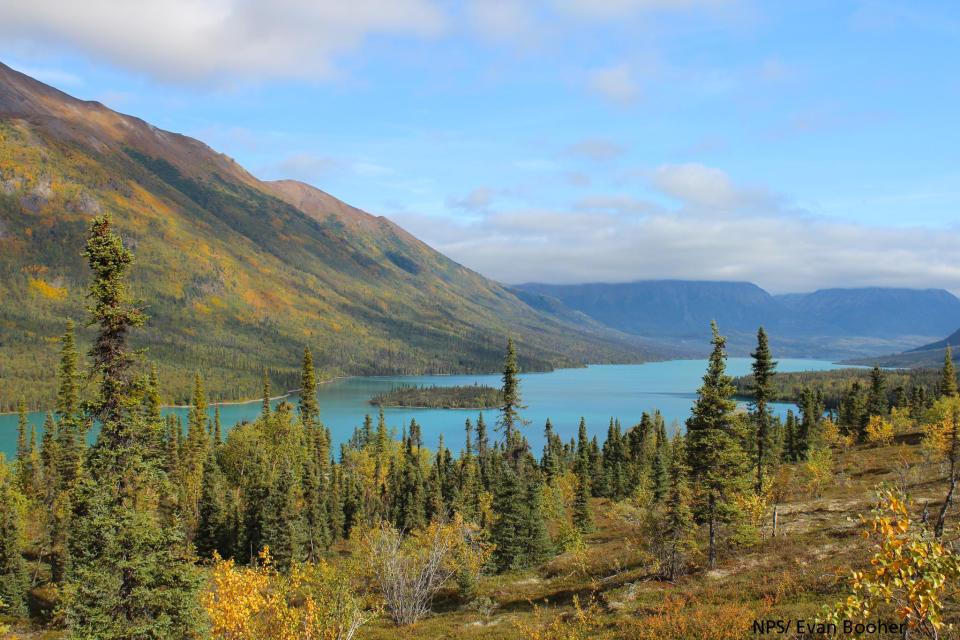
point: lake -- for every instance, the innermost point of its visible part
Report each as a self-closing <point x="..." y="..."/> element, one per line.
<point x="596" y="392"/>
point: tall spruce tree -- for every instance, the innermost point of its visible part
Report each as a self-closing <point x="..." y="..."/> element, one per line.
<point x="877" y="403"/>
<point x="130" y="575"/>
<point x="14" y="581"/>
<point x="582" y="516"/>
<point x="510" y="526"/>
<point x="512" y="404"/>
<point x="948" y="377"/>
<point x="762" y="390"/>
<point x="677" y="528"/>
<point x="716" y="458"/>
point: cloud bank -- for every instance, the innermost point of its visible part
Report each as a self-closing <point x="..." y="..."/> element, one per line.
<point x="195" y="40"/>
<point x="702" y="225"/>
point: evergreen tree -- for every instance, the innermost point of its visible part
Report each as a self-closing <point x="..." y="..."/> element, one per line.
<point x="510" y="420"/>
<point x="68" y="397"/>
<point x="281" y="526"/>
<point x="510" y="527"/>
<point x="217" y="426"/>
<point x="265" y="406"/>
<point x="716" y="459"/>
<point x="877" y="400"/>
<point x="763" y="371"/>
<point x="658" y="474"/>
<point x="948" y="377"/>
<point x="23" y="445"/>
<point x="678" y="525"/>
<point x="409" y="509"/>
<point x="550" y="462"/>
<point x="309" y="407"/>
<point x="195" y="453"/>
<point x="70" y="428"/>
<point x="214" y="528"/>
<point x="537" y="539"/>
<point x="483" y="453"/>
<point x="13" y="571"/>
<point x="582" y="516"/>
<point x="808" y="436"/>
<point x="130" y="576"/>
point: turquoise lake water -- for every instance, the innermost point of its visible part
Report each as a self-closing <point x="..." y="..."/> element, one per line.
<point x="597" y="393"/>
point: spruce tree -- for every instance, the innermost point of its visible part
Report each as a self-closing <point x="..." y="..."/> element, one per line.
<point x="130" y="575"/>
<point x="217" y="426"/>
<point x="877" y="400"/>
<point x="13" y="571"/>
<point x="509" y="528"/>
<point x="70" y="428"/>
<point x="483" y="453"/>
<point x="678" y="525"/>
<point x="716" y="458"/>
<point x="214" y="530"/>
<point x="582" y="516"/>
<point x="265" y="405"/>
<point x="948" y="377"/>
<point x="309" y="407"/>
<point x="23" y="445"/>
<point x="762" y="388"/>
<point x="510" y="420"/>
<point x="549" y="462"/>
<point x="537" y="539"/>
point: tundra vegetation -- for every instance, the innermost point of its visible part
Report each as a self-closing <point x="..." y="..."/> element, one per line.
<point x="166" y="530"/>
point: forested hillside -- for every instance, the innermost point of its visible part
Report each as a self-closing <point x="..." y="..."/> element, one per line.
<point x="239" y="274"/>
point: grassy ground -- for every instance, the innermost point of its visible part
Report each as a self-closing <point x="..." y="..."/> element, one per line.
<point x="790" y="577"/>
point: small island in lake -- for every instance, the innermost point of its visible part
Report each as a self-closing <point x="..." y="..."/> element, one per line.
<point x="474" y="396"/>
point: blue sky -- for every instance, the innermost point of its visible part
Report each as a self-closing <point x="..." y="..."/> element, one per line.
<point x="795" y="144"/>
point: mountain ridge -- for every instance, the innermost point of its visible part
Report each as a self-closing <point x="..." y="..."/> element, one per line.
<point x="832" y="322"/>
<point x="236" y="271"/>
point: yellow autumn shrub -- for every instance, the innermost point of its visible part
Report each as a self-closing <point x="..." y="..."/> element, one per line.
<point x="879" y="431"/>
<point x="912" y="572"/>
<point x="315" y="601"/>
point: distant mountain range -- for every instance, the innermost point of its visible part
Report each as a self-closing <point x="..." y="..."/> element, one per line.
<point x="825" y="323"/>
<point x="238" y="274"/>
<point x="927" y="356"/>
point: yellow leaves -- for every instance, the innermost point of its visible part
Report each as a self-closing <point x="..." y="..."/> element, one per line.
<point x="879" y="431"/>
<point x="47" y="290"/>
<point x="818" y="469"/>
<point x="911" y="570"/>
<point x="315" y="601"/>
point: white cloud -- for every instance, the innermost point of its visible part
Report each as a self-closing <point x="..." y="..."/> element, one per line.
<point x="717" y="229"/>
<point x="477" y="200"/>
<point x="194" y="40"/>
<point x="610" y="9"/>
<point x="700" y="186"/>
<point x="503" y="20"/>
<point x="616" y="84"/>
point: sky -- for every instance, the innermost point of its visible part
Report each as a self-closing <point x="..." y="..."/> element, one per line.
<point x="797" y="145"/>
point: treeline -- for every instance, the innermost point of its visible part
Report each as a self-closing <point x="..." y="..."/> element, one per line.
<point x="474" y="396"/>
<point x="836" y="384"/>
<point x="118" y="532"/>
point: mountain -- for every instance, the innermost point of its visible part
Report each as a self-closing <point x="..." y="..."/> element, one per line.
<point x="667" y="308"/>
<point x="238" y="274"/>
<point x="876" y="311"/>
<point x="927" y="356"/>
<point x="952" y="340"/>
<point x="825" y="323"/>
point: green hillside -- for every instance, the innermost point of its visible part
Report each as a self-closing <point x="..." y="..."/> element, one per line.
<point x="238" y="272"/>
